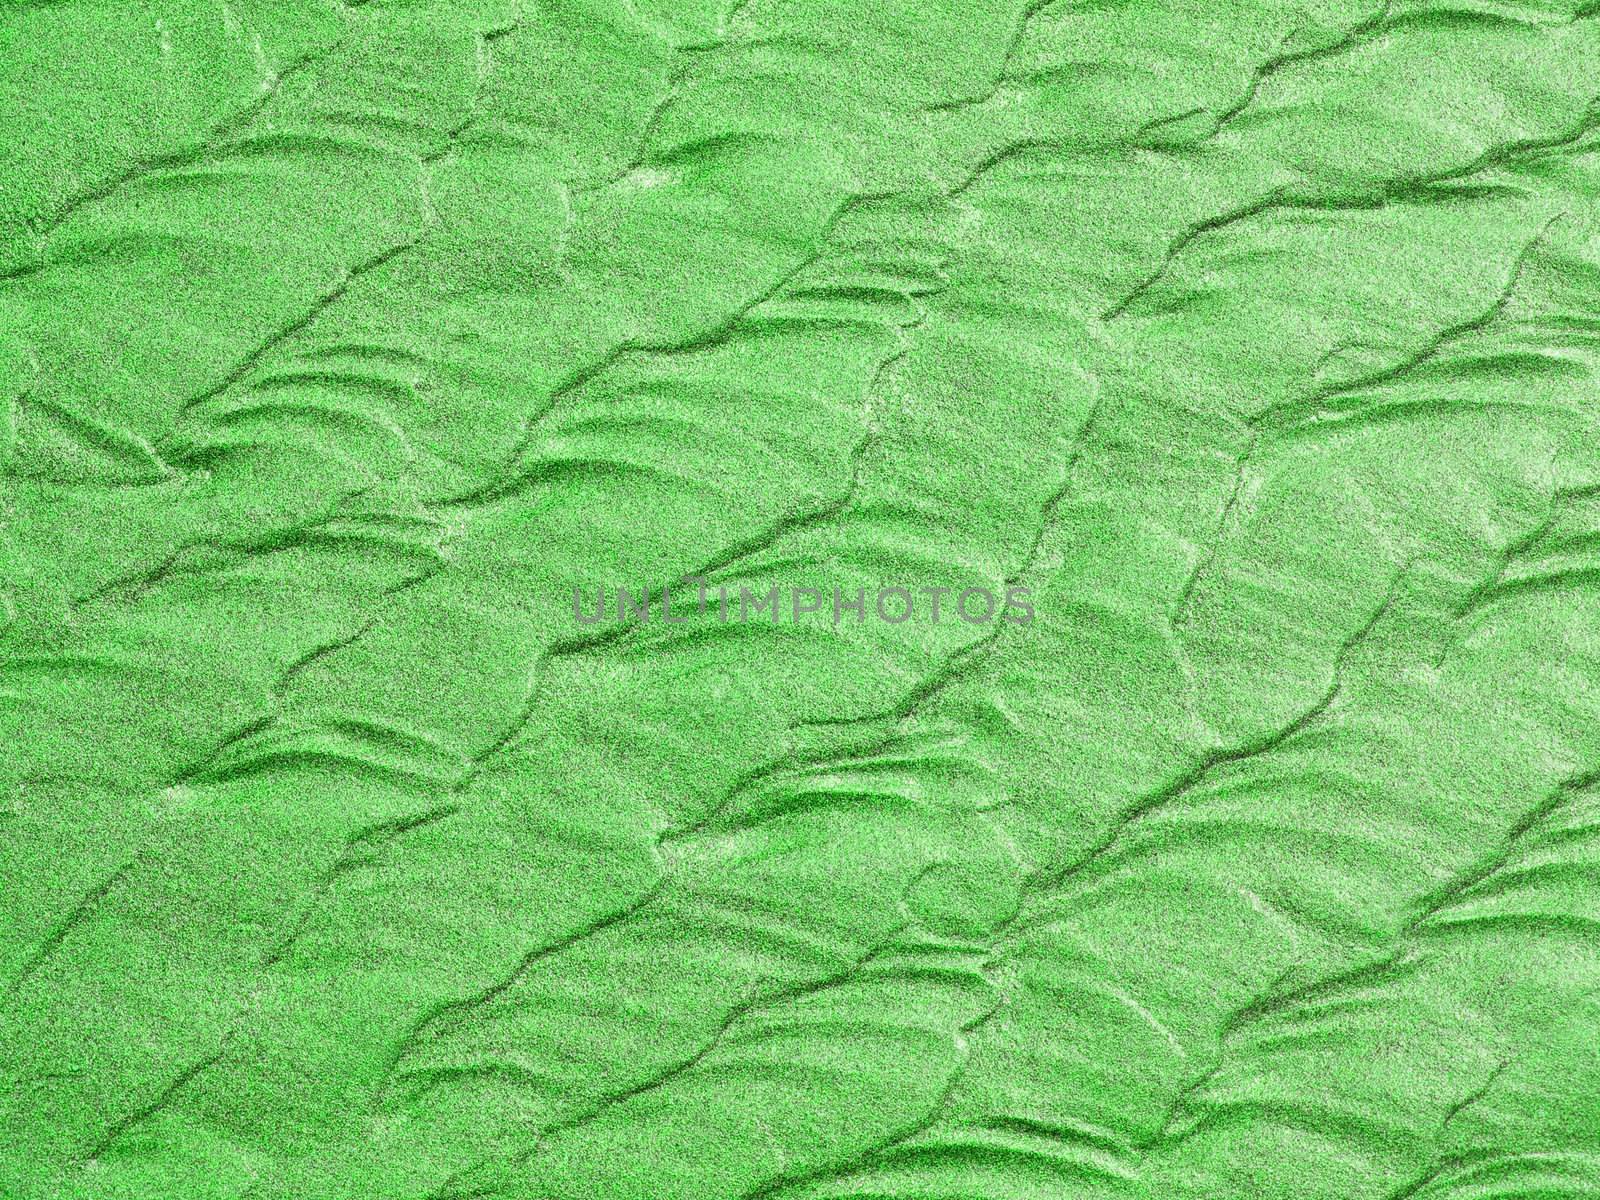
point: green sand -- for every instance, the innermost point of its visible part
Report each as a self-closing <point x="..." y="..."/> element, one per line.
<point x="339" y="344"/>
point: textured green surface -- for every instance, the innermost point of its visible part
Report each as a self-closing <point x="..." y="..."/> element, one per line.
<point x="339" y="343"/>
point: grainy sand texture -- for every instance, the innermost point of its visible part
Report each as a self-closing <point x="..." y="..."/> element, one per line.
<point x="1227" y="371"/>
